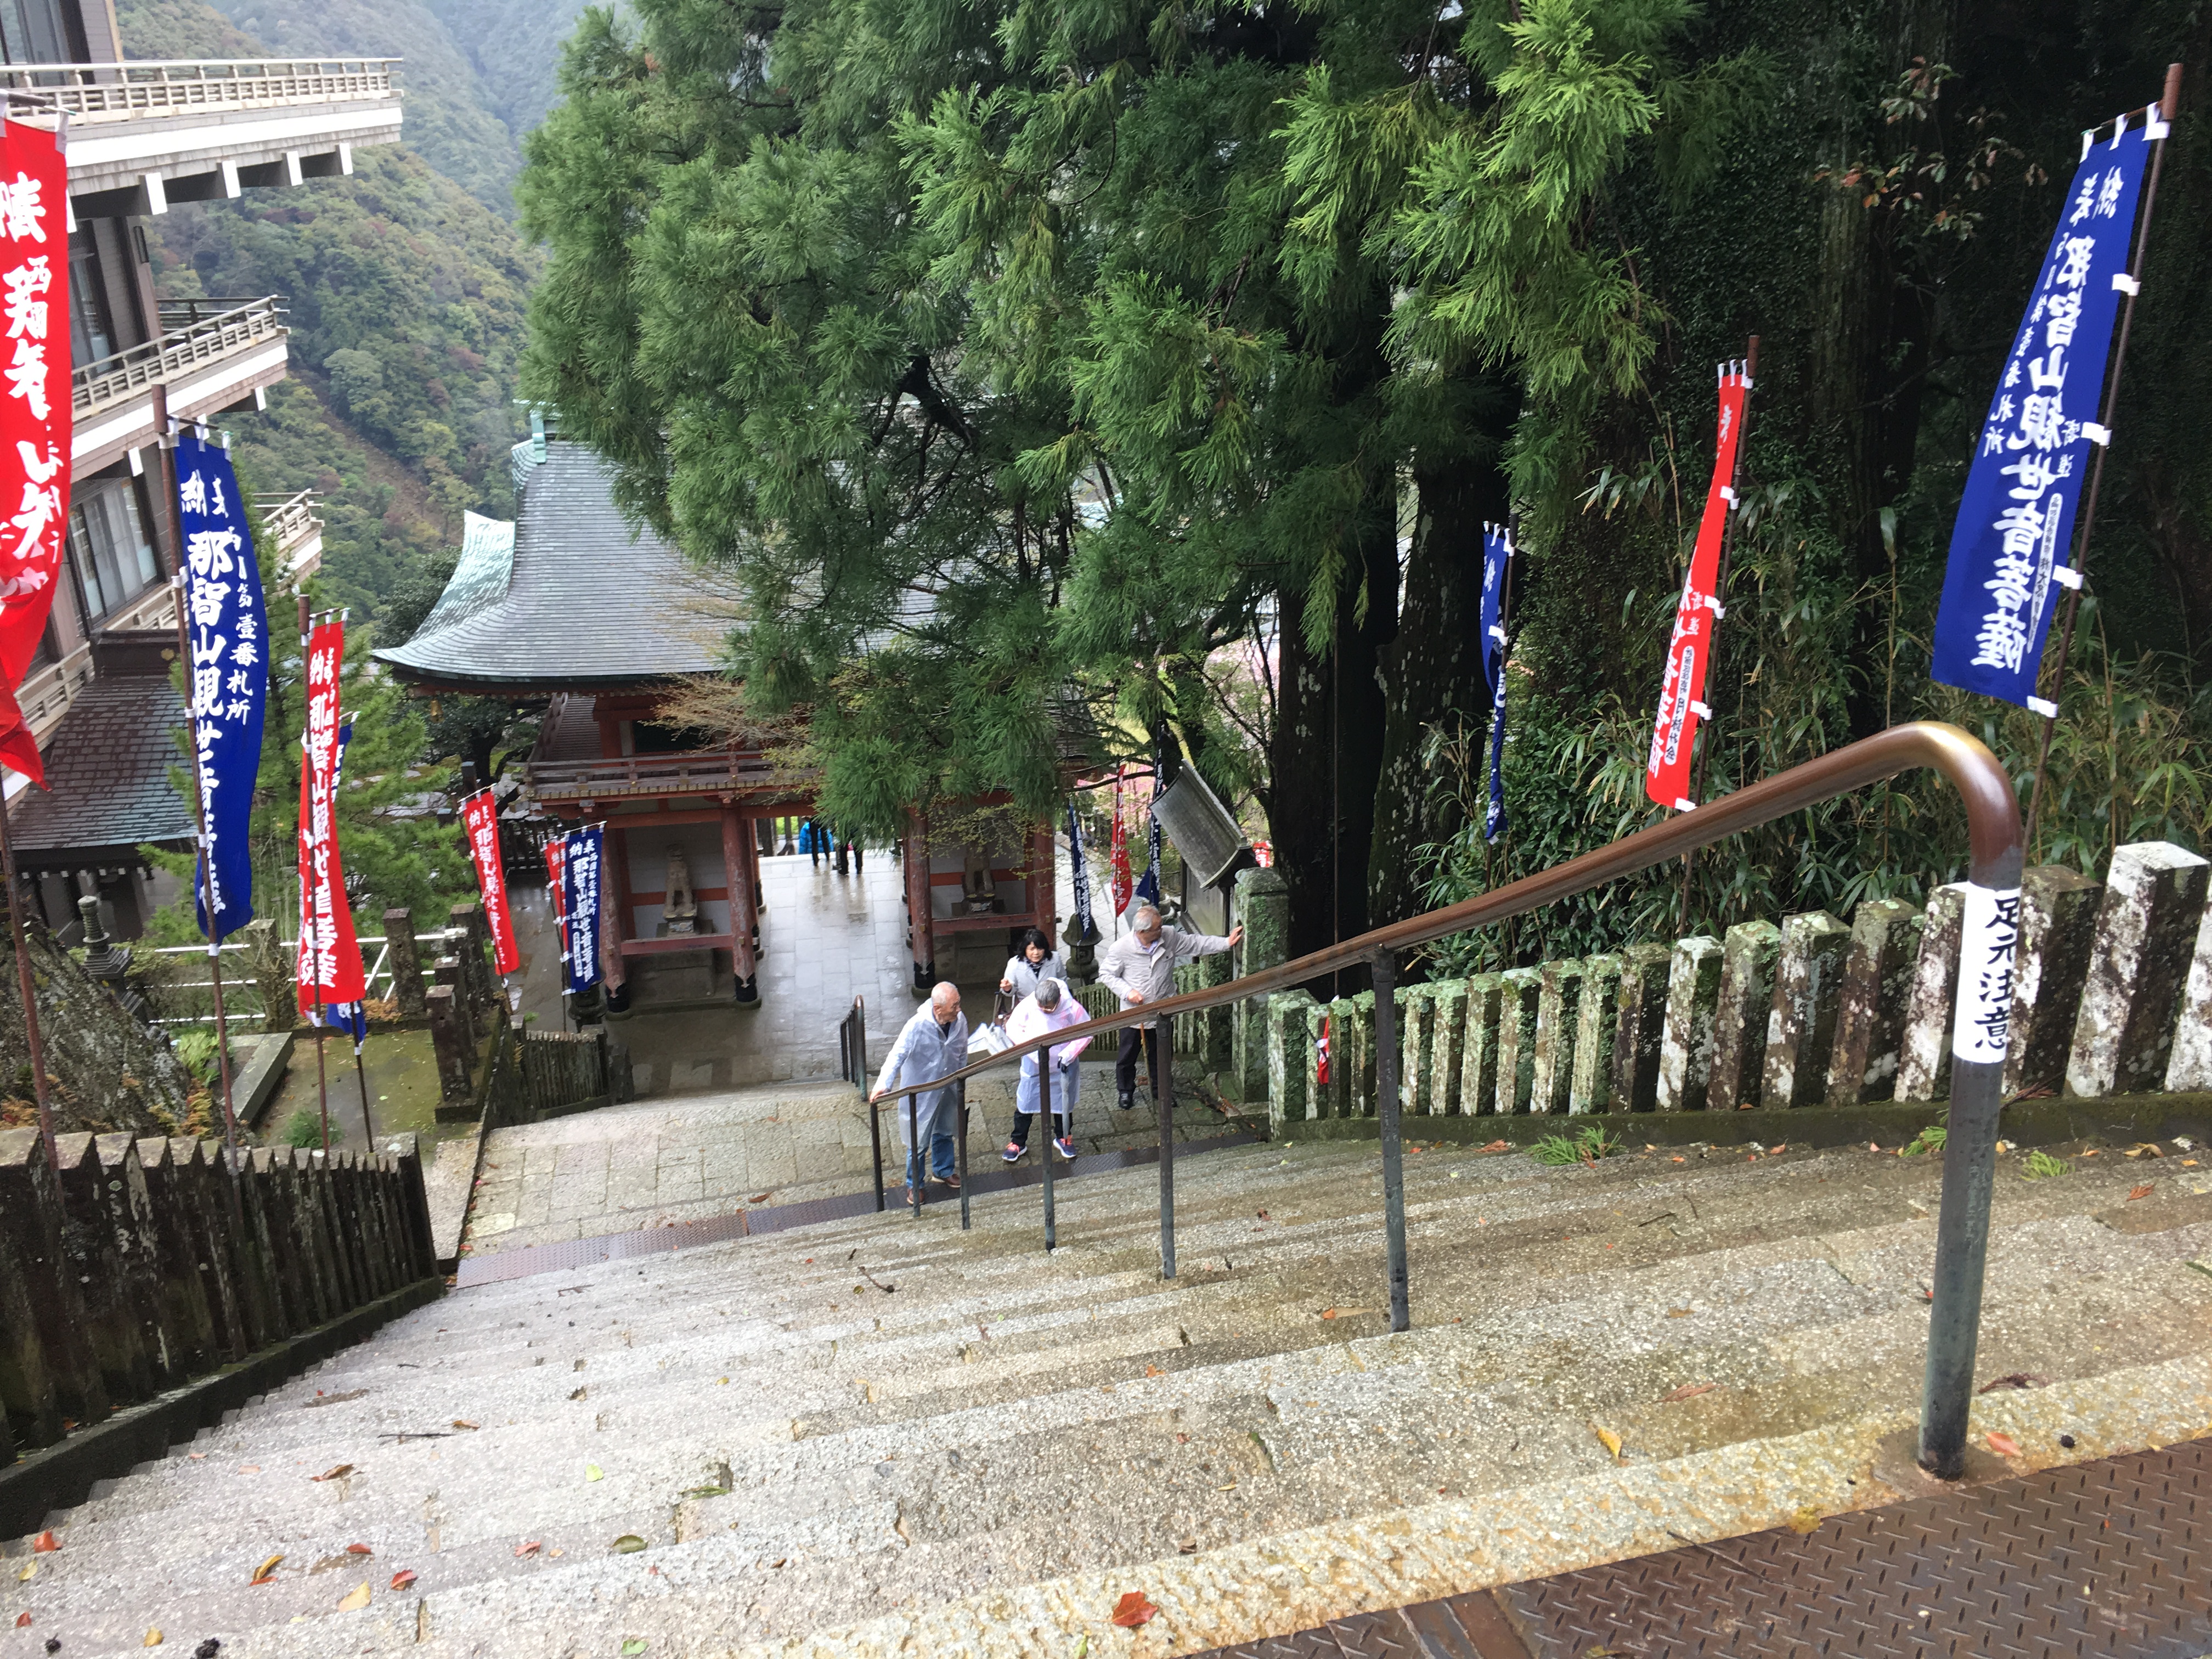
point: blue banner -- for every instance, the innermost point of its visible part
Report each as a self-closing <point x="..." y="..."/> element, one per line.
<point x="1148" y="884"/>
<point x="579" y="893"/>
<point x="2011" y="545"/>
<point x="1086" y="925"/>
<point x="1496" y="550"/>
<point x="230" y="674"/>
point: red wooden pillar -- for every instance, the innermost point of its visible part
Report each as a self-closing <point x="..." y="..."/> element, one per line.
<point x="919" y="923"/>
<point x="737" y="877"/>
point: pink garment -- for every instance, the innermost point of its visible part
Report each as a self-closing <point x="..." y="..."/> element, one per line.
<point x="1027" y="1020"/>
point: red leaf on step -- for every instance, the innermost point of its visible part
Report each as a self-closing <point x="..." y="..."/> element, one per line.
<point x="529" y="1548"/>
<point x="2143" y="1191"/>
<point x="1132" y="1610"/>
<point x="1154" y="1370"/>
<point x="21" y="1620"/>
<point x="337" y="1473"/>
<point x="359" y="1549"/>
<point x="403" y="1578"/>
<point x="45" y="1543"/>
<point x="1689" y="1391"/>
<point x="2003" y="1444"/>
<point x="1495" y="1147"/>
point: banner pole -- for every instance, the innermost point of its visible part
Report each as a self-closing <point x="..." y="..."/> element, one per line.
<point x="26" y="983"/>
<point x="2168" y="99"/>
<point x="306" y="892"/>
<point x="1705" y="746"/>
<point x="165" y="443"/>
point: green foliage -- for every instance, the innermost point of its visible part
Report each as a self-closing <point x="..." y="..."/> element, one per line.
<point x="2042" y="1166"/>
<point x="196" y="1053"/>
<point x="1586" y="1147"/>
<point x="304" y="1129"/>
<point x="1929" y="1140"/>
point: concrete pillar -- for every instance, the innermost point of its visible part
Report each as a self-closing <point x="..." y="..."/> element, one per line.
<point x="1923" y="1064"/>
<point x="1589" y="1089"/>
<point x="44" y="1308"/>
<point x="1639" y="1022"/>
<point x="1519" y="991"/>
<point x="407" y="986"/>
<point x="1739" y="1014"/>
<point x="1448" y="1047"/>
<point x="1686" y="1044"/>
<point x="2147" y="929"/>
<point x="2057" y="930"/>
<point x="1478" y="1063"/>
<point x="1800" y="1025"/>
<point x="1290" y="1059"/>
<point x="1559" y="1018"/>
<point x="1262" y="904"/>
<point x="1878" y="969"/>
<point x="736" y="873"/>
<point x="449" y="1042"/>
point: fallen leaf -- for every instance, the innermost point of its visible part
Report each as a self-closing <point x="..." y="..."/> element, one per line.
<point x="249" y="1468"/>
<point x="21" y="1620"/>
<point x="1682" y="1160"/>
<point x="355" y="1599"/>
<point x="1678" y="1313"/>
<point x="30" y="1571"/>
<point x="45" y="1543"/>
<point x="2015" y="1380"/>
<point x="2188" y="1163"/>
<point x="529" y="1548"/>
<point x="153" y="1638"/>
<point x="338" y="1472"/>
<point x="2143" y="1191"/>
<point x="359" y="1549"/>
<point x="1132" y="1610"/>
<point x="1154" y="1370"/>
<point x="2003" y="1444"/>
<point x="1807" y="1519"/>
<point x="403" y="1578"/>
<point x="1778" y="1149"/>
<point x="262" y="1573"/>
<point x="1496" y="1146"/>
<point x="2092" y="1151"/>
<point x="463" y="1423"/>
<point x="593" y="1472"/>
<point x="1609" y="1440"/>
<point x="632" y="1648"/>
<point x="1690" y="1391"/>
<point x="758" y="1198"/>
<point x="628" y="1544"/>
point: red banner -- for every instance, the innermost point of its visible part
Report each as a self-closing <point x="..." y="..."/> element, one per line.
<point x="556" y="849"/>
<point x="1689" y="653"/>
<point x="34" y="415"/>
<point x="329" y="969"/>
<point x="480" y="821"/>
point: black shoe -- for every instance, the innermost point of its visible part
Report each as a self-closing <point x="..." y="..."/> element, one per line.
<point x="1128" y="1101"/>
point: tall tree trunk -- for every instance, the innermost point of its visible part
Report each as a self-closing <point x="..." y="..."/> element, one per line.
<point x="1432" y="673"/>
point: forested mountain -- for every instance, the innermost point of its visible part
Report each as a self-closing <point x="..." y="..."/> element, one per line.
<point x="406" y="285"/>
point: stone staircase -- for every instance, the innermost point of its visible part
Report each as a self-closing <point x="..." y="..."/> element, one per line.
<point x="880" y="1435"/>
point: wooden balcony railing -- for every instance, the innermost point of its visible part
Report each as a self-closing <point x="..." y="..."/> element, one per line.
<point x="701" y="772"/>
<point x="103" y="93"/>
<point x="199" y="337"/>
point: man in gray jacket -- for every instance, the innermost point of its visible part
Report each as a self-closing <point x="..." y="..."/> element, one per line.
<point x="1139" y="968"/>
<point x="931" y="1045"/>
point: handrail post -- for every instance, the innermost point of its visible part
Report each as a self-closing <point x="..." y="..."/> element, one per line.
<point x="917" y="1157"/>
<point x="961" y="1152"/>
<point x="1970" y="1160"/>
<point x="1163" y="1048"/>
<point x="1389" y="1100"/>
<point x="1043" y="1058"/>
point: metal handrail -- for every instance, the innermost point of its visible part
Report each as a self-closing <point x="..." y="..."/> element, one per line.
<point x="1994" y="861"/>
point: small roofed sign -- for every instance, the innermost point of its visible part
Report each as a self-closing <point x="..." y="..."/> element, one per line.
<point x="480" y="817"/>
<point x="579" y="899"/>
<point x="35" y="413"/>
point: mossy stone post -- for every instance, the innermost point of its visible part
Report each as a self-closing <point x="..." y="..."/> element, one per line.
<point x="453" y="974"/>
<point x="1638" y="1024"/>
<point x="1448" y="1047"/>
<point x="1740" y="1014"/>
<point x="1589" y="1089"/>
<point x="1417" y="1015"/>
<point x="1290" y="1069"/>
<point x="406" y="962"/>
<point x="1363" y="1103"/>
<point x="1923" y="1064"/>
<point x="1478" y="1064"/>
<point x="1341" y="1016"/>
<point x="1558" y="1017"/>
<point x="1519" y="990"/>
<point x="1800" y="1025"/>
<point x="2146" y="933"/>
<point x="1685" y="1043"/>
<point x="449" y="1042"/>
<point x="1263" y="910"/>
<point x="1870" y="1007"/>
<point x="2058" y="929"/>
<point x="474" y="948"/>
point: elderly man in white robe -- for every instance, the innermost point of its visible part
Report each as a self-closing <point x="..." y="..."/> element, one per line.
<point x="931" y="1045"/>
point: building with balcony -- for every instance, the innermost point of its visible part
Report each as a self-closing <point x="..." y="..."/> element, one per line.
<point x="140" y="136"/>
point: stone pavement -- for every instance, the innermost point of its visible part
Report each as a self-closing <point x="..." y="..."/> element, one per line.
<point x="662" y="1162"/>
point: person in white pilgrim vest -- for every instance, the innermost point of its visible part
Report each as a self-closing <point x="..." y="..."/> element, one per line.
<point x="931" y="1045"/>
<point x="1049" y="1008"/>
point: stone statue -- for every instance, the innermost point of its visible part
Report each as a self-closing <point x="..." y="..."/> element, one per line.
<point x="681" y="906"/>
<point x="979" y="894"/>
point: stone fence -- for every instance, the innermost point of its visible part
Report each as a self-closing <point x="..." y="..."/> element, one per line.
<point x="138" y="1273"/>
<point x="2112" y="996"/>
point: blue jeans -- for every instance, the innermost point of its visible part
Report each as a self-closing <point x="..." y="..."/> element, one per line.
<point x="936" y="1123"/>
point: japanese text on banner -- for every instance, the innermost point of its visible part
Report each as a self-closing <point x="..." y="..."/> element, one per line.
<point x="1497" y="563"/>
<point x="580" y="880"/>
<point x="2011" y="544"/>
<point x="480" y="820"/>
<point x="229" y="688"/>
<point x="35" y="412"/>
<point x="329" y="969"/>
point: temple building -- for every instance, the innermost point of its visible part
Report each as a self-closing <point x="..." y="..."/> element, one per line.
<point x="575" y="610"/>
